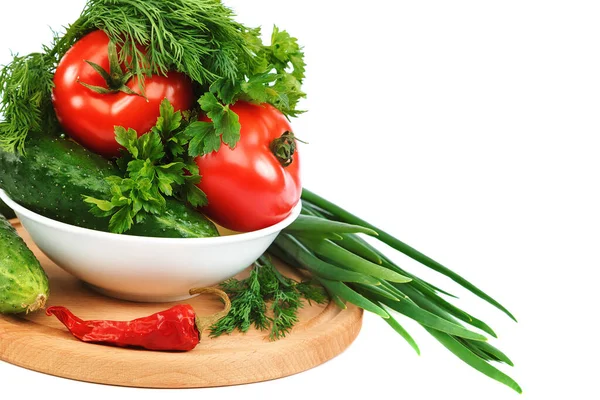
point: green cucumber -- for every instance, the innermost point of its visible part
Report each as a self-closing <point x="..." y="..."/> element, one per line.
<point x="23" y="282"/>
<point x="6" y="211"/>
<point x="54" y="174"/>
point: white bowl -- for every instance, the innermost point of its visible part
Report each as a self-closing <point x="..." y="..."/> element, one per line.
<point x="142" y="268"/>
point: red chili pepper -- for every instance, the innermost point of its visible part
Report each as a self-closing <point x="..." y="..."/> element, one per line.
<point x="175" y="329"/>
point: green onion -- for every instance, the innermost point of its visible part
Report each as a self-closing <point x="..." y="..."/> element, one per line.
<point x="380" y="290"/>
<point x="402" y="332"/>
<point x="352" y="261"/>
<point x="346" y="293"/>
<point x="473" y="360"/>
<point x="357" y="246"/>
<point x="326" y="241"/>
<point x="309" y="223"/>
<point x="320" y="268"/>
<point x="388" y="239"/>
<point x="430" y="320"/>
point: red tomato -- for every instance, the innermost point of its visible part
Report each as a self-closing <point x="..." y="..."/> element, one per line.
<point x="89" y="117"/>
<point x="247" y="187"/>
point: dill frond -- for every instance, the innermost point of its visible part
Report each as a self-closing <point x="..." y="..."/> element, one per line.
<point x="25" y="85"/>
<point x="268" y="300"/>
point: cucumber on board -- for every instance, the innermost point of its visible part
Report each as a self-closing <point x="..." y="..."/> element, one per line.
<point x="6" y="211"/>
<point x="23" y="282"/>
<point x="54" y="173"/>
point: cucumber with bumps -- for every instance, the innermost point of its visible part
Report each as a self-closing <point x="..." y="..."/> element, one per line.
<point x="54" y="173"/>
<point x="23" y="282"/>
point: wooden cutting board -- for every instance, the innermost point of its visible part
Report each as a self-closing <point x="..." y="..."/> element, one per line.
<point x="43" y="344"/>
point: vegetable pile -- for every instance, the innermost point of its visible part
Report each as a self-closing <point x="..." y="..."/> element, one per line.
<point x="147" y="117"/>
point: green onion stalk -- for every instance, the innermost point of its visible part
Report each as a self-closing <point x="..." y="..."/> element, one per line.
<point x="325" y="241"/>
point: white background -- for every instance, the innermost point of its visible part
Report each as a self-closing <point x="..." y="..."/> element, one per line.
<point x="467" y="129"/>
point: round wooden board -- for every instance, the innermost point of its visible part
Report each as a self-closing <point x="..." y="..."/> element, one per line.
<point x="43" y="344"/>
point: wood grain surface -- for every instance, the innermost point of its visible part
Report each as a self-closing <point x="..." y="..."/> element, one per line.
<point x="43" y="344"/>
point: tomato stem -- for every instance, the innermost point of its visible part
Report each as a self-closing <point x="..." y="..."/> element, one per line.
<point x="284" y="148"/>
<point x="116" y="80"/>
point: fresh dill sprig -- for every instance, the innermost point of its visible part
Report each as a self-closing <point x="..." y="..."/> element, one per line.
<point x="25" y="103"/>
<point x="26" y="85"/>
<point x="197" y="37"/>
<point x="266" y="299"/>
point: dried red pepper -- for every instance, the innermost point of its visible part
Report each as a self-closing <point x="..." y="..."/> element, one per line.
<point x="175" y="329"/>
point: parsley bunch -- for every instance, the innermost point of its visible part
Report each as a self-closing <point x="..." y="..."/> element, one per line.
<point x="155" y="165"/>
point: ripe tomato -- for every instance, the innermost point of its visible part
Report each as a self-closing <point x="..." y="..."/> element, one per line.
<point x="248" y="188"/>
<point x="90" y="117"/>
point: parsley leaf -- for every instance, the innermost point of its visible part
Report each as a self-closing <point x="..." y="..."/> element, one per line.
<point x="257" y="89"/>
<point x="225" y="89"/>
<point x="170" y="175"/>
<point x="210" y="105"/>
<point x="169" y="120"/>
<point x="226" y="124"/>
<point x="229" y="127"/>
<point x="203" y="138"/>
<point x="121" y="221"/>
<point x="127" y="138"/>
<point x="150" y="147"/>
<point x="284" y="50"/>
<point x="195" y="196"/>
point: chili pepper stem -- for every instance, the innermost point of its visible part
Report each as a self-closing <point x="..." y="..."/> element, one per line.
<point x="202" y="323"/>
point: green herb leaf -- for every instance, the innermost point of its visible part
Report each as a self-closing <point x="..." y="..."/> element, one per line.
<point x="210" y="105"/>
<point x="212" y="142"/>
<point x="199" y="144"/>
<point x="128" y="139"/>
<point x="139" y="169"/>
<point x="121" y="221"/>
<point x="169" y="120"/>
<point x="229" y="127"/>
<point x="257" y="88"/>
<point x="226" y="123"/>
<point x="150" y="147"/>
<point x="102" y="205"/>
<point x="25" y="99"/>
<point x="285" y="50"/>
<point x="195" y="196"/>
<point x="169" y="175"/>
<point x="225" y="89"/>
